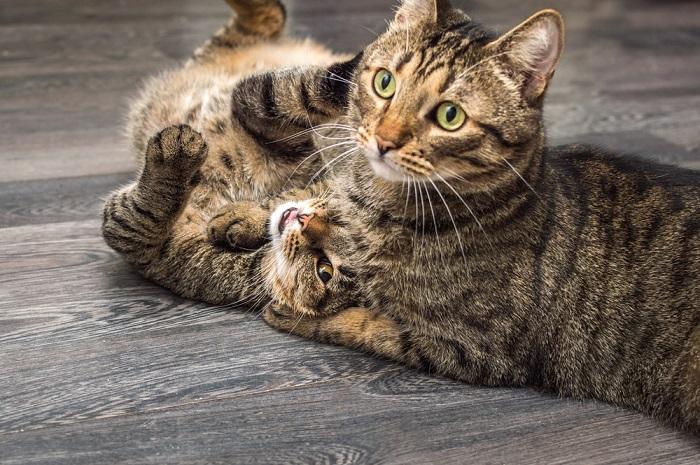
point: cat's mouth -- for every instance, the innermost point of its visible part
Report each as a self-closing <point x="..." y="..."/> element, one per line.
<point x="287" y="218"/>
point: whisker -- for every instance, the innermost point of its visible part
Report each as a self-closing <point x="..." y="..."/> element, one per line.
<point x="339" y="144"/>
<point x="370" y="30"/>
<point x="331" y="163"/>
<point x="522" y="178"/>
<point x="314" y="129"/>
<point x="432" y="212"/>
<point x="415" y="221"/>
<point x="405" y="207"/>
<point x="422" y="207"/>
<point x="301" y="317"/>
<point x="335" y="77"/>
<point x="459" y="238"/>
<point x="471" y="212"/>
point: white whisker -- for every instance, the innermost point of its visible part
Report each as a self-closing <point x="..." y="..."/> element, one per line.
<point x="471" y="212"/>
<point x="335" y="77"/>
<point x="328" y="165"/>
<point x="522" y="178"/>
<point x="454" y="224"/>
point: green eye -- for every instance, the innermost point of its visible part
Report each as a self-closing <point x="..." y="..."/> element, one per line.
<point x="384" y="84"/>
<point x="450" y="116"/>
<point x="324" y="270"/>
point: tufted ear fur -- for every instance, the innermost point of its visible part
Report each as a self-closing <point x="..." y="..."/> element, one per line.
<point x="412" y="12"/>
<point x="533" y="49"/>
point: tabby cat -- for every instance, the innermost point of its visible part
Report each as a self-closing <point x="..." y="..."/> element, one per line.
<point x="567" y="268"/>
<point x="239" y="119"/>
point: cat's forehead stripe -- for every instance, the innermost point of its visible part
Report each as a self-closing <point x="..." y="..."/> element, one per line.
<point x="404" y="60"/>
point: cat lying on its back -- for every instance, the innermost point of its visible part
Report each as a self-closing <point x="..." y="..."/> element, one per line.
<point x="239" y="119"/>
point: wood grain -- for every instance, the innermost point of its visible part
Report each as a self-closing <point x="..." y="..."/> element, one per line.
<point x="99" y="366"/>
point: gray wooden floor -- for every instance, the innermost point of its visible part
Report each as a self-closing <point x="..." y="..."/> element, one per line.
<point x="99" y="366"/>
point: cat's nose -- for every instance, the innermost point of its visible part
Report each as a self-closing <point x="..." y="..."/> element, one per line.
<point x="384" y="145"/>
<point x="304" y="219"/>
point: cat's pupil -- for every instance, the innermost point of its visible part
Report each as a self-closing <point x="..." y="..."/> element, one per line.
<point x="386" y="81"/>
<point x="451" y="113"/>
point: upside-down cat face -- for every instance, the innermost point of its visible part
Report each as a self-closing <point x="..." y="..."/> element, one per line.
<point x="438" y="97"/>
<point x="308" y="275"/>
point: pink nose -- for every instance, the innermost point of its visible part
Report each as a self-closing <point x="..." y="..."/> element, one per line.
<point x="305" y="219"/>
<point x="384" y="145"/>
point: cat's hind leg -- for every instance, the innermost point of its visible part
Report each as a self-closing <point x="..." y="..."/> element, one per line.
<point x="254" y="21"/>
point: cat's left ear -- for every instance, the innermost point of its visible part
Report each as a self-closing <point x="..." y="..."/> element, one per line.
<point x="533" y="49"/>
<point x="412" y="12"/>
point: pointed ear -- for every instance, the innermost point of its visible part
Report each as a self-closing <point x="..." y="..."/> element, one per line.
<point x="412" y="12"/>
<point x="533" y="49"/>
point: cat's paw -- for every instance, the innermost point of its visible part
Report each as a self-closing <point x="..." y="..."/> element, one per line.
<point x="280" y="318"/>
<point x="177" y="149"/>
<point x="239" y="226"/>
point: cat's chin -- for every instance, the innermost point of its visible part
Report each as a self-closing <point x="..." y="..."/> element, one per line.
<point x="385" y="171"/>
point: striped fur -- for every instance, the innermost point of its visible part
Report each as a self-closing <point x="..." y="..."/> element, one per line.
<point x="234" y="128"/>
<point x="498" y="260"/>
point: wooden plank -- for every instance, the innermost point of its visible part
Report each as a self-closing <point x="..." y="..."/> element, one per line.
<point x="391" y="417"/>
<point x="57" y="200"/>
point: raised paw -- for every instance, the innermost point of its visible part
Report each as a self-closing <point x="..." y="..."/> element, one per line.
<point x="178" y="149"/>
<point x="239" y="226"/>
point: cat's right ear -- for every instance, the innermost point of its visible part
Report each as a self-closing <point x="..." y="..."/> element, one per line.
<point x="413" y="12"/>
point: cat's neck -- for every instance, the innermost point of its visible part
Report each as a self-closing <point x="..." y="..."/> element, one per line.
<point x="521" y="187"/>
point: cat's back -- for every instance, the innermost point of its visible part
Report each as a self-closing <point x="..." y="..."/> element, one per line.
<point x="617" y="174"/>
<point x="636" y="225"/>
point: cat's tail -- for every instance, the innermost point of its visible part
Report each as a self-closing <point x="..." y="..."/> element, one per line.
<point x="254" y="21"/>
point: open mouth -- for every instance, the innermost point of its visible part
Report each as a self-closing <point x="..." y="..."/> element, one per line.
<point x="287" y="217"/>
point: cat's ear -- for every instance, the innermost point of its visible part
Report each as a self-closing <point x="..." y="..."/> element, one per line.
<point x="412" y="12"/>
<point x="533" y="49"/>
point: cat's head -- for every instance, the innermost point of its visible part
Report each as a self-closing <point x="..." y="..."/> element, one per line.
<point x="307" y="274"/>
<point x="437" y="96"/>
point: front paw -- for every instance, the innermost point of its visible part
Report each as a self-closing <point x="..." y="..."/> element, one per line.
<point x="284" y="319"/>
<point x="239" y="226"/>
<point x="176" y="151"/>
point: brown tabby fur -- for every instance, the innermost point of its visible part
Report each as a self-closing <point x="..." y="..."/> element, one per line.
<point x="237" y="121"/>
<point x="483" y="254"/>
<point x="566" y="268"/>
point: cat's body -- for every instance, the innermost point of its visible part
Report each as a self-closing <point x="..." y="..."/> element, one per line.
<point x="588" y="288"/>
<point x="489" y="258"/>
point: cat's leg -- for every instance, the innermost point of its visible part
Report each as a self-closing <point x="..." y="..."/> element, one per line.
<point x="374" y="332"/>
<point x="359" y="328"/>
<point x="137" y="219"/>
<point x="273" y="107"/>
<point x="254" y="21"/>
